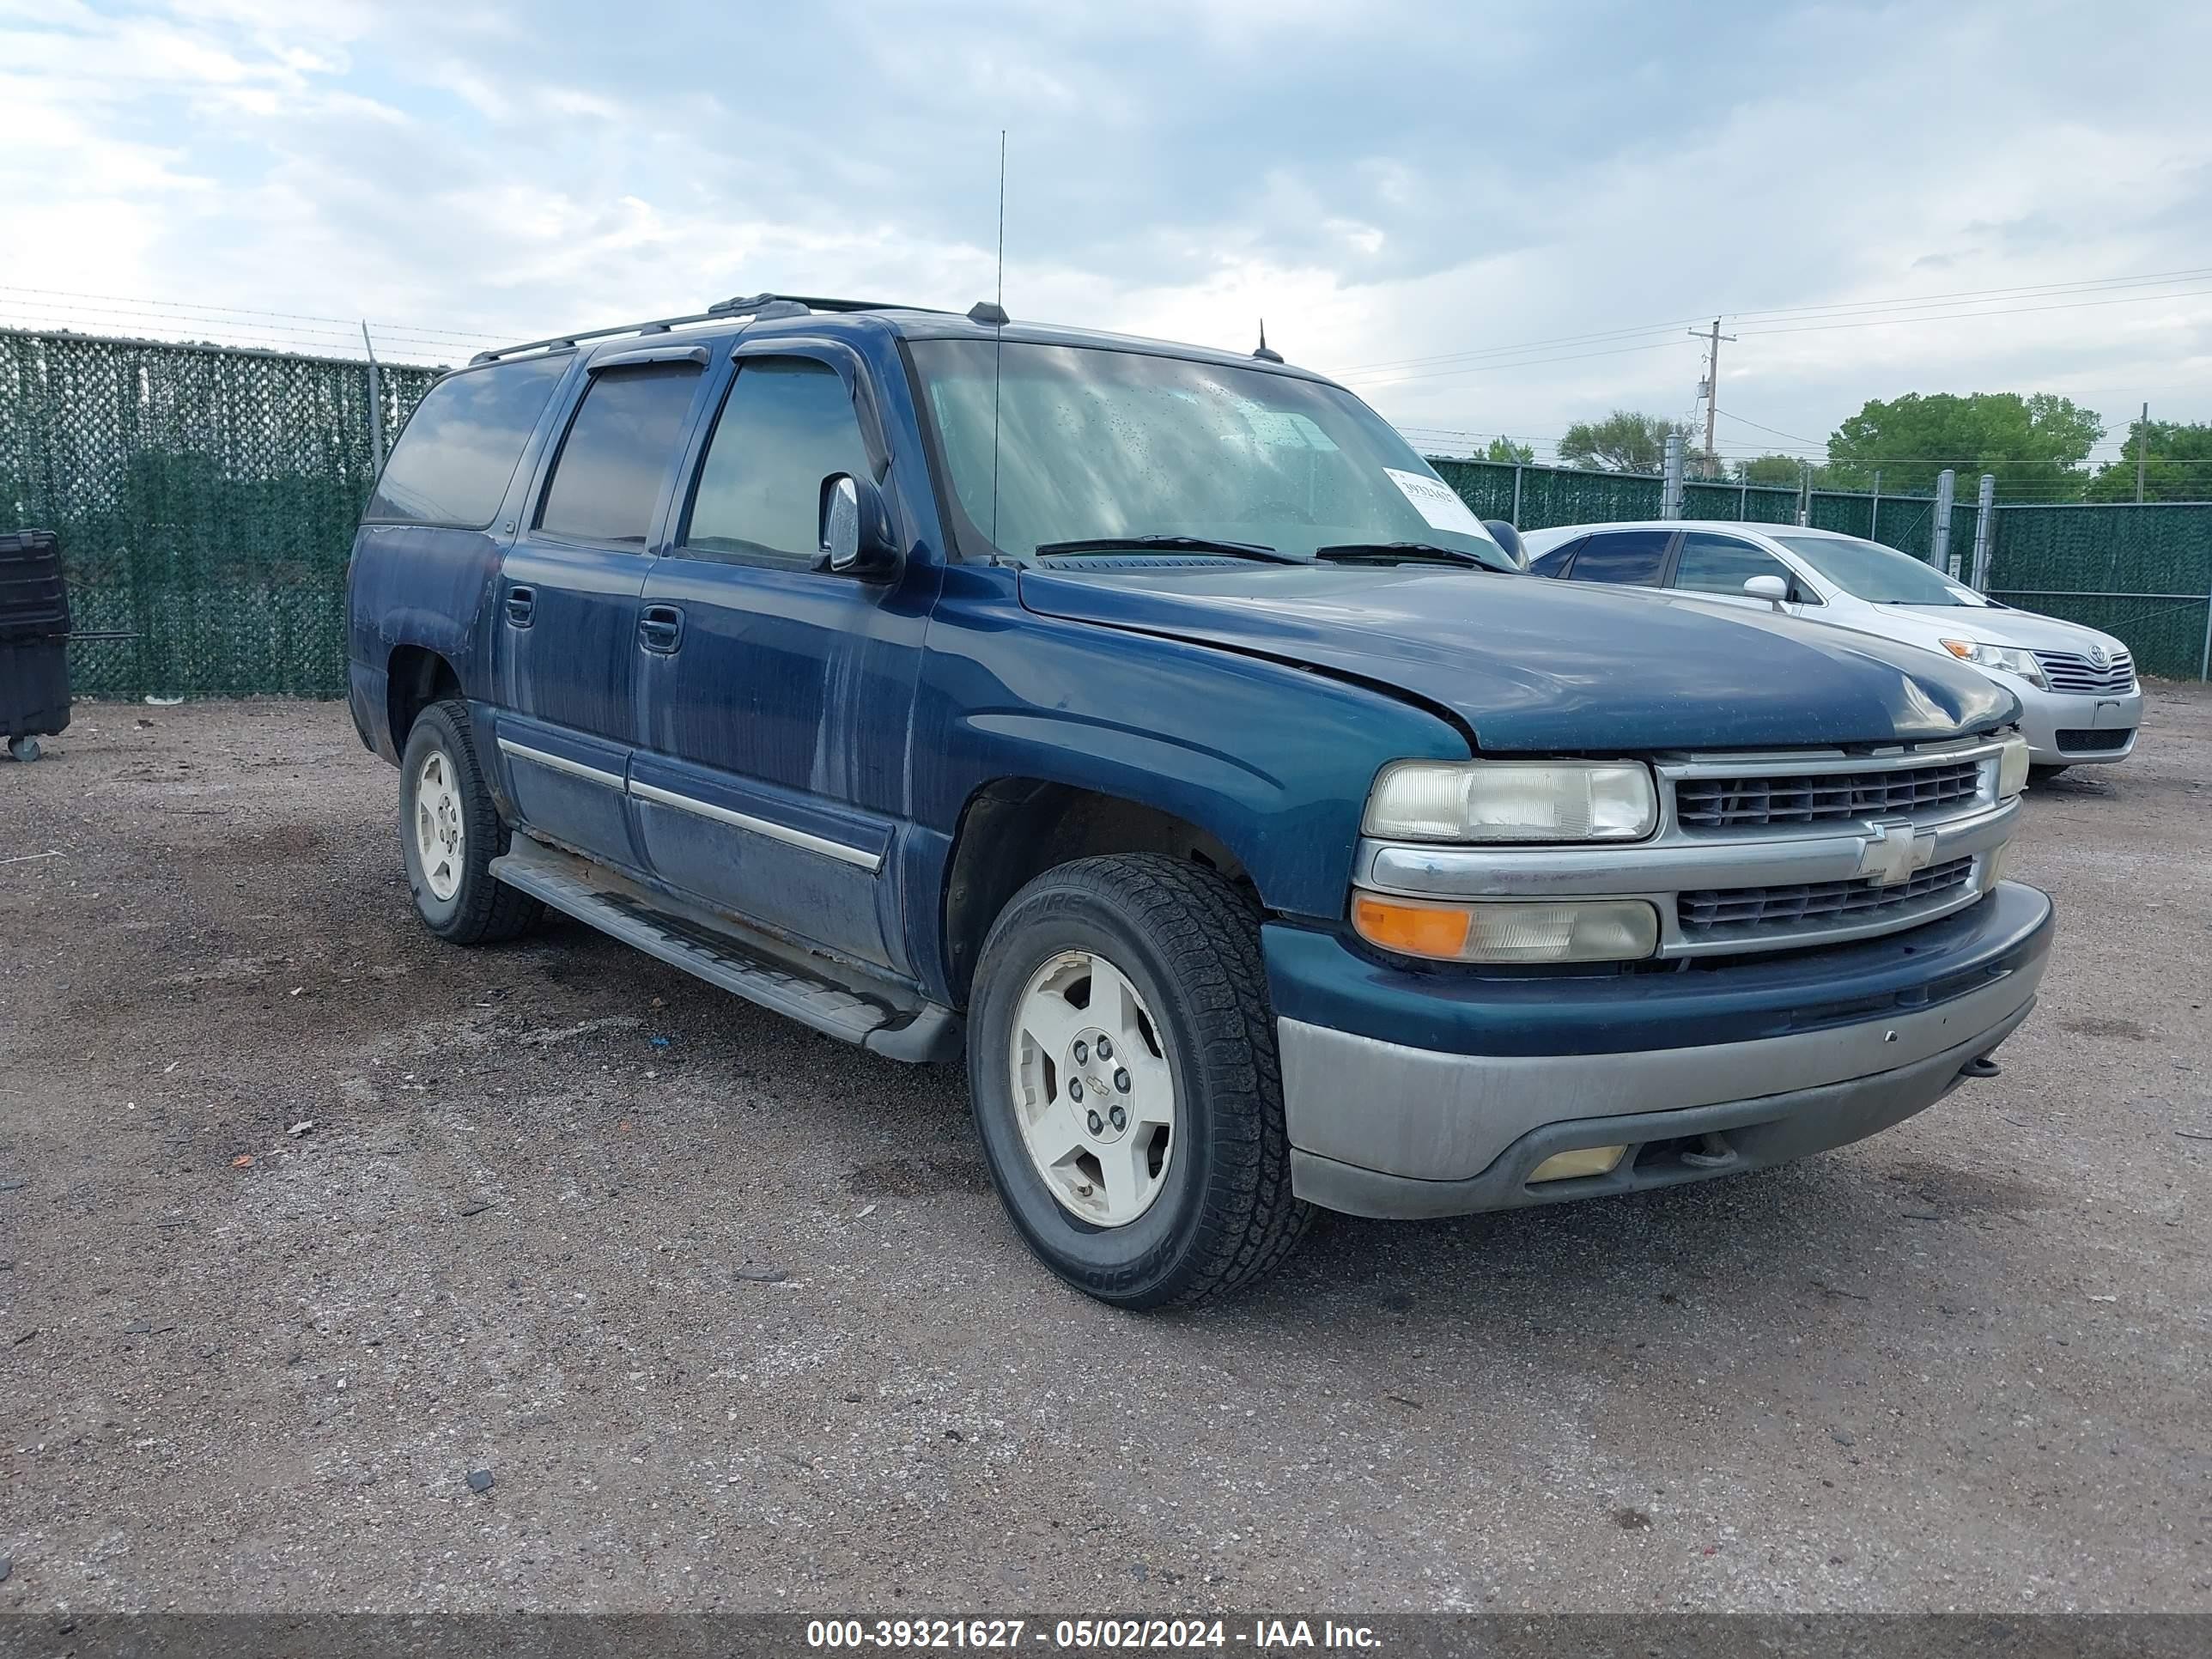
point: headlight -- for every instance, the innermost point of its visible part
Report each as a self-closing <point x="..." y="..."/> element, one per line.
<point x="1513" y="800"/>
<point x="1508" y="930"/>
<point x="2009" y="658"/>
<point x="2012" y="769"/>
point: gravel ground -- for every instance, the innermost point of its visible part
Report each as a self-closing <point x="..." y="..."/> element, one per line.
<point x="728" y="1313"/>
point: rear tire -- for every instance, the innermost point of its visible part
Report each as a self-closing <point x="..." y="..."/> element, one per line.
<point x="450" y="831"/>
<point x="1176" y="947"/>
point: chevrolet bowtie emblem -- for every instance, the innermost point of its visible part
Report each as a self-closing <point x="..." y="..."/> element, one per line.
<point x="1894" y="850"/>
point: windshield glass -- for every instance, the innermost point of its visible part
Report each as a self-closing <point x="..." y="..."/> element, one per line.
<point x="1878" y="574"/>
<point x="1096" y="443"/>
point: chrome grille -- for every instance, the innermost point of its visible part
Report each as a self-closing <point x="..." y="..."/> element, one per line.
<point x="1813" y="906"/>
<point x="1754" y="802"/>
<point x="2068" y="671"/>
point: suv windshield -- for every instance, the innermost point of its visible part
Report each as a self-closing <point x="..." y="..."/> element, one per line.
<point x="1878" y="574"/>
<point x="1096" y="445"/>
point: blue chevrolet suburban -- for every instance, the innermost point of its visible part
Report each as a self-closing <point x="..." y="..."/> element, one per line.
<point x="1152" y="728"/>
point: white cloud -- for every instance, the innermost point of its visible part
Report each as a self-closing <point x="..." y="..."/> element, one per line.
<point x="1383" y="183"/>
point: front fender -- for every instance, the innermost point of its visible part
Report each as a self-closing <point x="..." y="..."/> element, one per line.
<point x="1274" y="761"/>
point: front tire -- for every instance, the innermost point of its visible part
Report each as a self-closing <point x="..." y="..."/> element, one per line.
<point x="2042" y="774"/>
<point x="1157" y="1171"/>
<point x="450" y="831"/>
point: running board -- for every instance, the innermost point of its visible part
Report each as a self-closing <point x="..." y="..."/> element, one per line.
<point x="868" y="1015"/>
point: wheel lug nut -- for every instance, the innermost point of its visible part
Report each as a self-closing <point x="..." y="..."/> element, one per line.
<point x="1075" y="1088"/>
<point x="1082" y="1054"/>
<point x="1096" y="1125"/>
<point x="1120" y="1118"/>
<point x="1121" y="1081"/>
<point x="1105" y="1049"/>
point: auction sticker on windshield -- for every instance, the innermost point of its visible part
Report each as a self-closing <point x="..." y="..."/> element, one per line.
<point x="1437" y="502"/>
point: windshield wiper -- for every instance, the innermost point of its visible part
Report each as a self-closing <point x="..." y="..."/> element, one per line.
<point x="1167" y="544"/>
<point x="1403" y="553"/>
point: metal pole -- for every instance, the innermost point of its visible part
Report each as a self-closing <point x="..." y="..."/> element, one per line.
<point x="1713" y="386"/>
<point x="1874" y="517"/>
<point x="1516" y="494"/>
<point x="1985" y="525"/>
<point x="1743" y="501"/>
<point x="1670" y="490"/>
<point x="1804" y="494"/>
<point x="1939" y="544"/>
<point x="375" y="401"/>
<point x="2142" y="439"/>
<point x="2204" y="656"/>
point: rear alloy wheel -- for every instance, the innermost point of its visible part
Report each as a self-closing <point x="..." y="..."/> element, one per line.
<point x="450" y="831"/>
<point x="1121" y="1057"/>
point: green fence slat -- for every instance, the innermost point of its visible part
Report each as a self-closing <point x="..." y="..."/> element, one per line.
<point x="205" y="499"/>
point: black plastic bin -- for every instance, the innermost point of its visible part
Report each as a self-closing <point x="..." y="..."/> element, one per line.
<point x="34" y="628"/>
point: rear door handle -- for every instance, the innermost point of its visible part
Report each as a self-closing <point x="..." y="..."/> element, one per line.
<point x="521" y="605"/>
<point x="660" y="629"/>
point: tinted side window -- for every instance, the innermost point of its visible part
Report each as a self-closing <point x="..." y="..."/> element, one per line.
<point x="1622" y="555"/>
<point x="617" y="453"/>
<point x="1554" y="563"/>
<point x="1722" y="564"/>
<point x="787" y="425"/>
<point x="454" y="459"/>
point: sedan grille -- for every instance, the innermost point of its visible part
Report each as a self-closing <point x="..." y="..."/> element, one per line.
<point x="1751" y="803"/>
<point x="1819" y="905"/>
<point x="2068" y="672"/>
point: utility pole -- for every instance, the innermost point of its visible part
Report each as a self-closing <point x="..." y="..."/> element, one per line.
<point x="2142" y="439"/>
<point x="1713" y="382"/>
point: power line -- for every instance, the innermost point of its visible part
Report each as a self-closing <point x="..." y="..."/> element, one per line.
<point x="349" y="323"/>
<point x="1833" y="308"/>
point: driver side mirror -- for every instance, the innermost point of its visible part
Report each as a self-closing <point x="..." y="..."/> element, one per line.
<point x="856" y="538"/>
<point x="1772" y="589"/>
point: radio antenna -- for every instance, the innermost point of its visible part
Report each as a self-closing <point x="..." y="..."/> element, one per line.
<point x="998" y="351"/>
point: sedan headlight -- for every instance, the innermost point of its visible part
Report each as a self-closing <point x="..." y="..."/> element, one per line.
<point x="2009" y="658"/>
<point x="1513" y="801"/>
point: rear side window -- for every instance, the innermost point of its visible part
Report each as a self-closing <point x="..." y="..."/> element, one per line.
<point x="1554" y="563"/>
<point x="1722" y="564"/>
<point x="618" y="453"/>
<point x="787" y="425"/>
<point x="452" y="463"/>
<point x="1622" y="555"/>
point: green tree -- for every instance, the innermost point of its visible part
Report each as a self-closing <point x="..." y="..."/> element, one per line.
<point x="1503" y="448"/>
<point x="1624" y="441"/>
<point x="1771" y="470"/>
<point x="2035" y="445"/>
<point x="2178" y="464"/>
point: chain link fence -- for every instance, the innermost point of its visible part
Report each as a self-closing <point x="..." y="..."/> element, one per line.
<point x="2140" y="572"/>
<point x="205" y="498"/>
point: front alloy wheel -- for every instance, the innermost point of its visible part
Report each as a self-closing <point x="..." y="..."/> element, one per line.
<point x="1121" y="1055"/>
<point x="1093" y="1088"/>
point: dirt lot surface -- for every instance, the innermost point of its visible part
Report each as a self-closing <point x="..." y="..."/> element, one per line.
<point x="728" y="1313"/>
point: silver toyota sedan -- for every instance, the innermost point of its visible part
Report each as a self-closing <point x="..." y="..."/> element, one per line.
<point x="2079" y="701"/>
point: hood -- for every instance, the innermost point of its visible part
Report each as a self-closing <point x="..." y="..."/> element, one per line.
<point x="1532" y="665"/>
<point x="1994" y="625"/>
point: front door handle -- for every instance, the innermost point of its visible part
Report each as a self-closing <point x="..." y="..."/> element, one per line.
<point x="521" y="605"/>
<point x="660" y="629"/>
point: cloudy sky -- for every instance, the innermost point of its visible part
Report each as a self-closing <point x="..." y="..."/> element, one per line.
<point x="1485" y="218"/>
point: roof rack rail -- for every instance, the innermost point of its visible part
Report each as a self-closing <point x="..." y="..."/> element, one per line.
<point x="752" y="305"/>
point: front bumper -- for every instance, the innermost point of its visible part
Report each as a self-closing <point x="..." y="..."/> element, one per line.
<point x="2069" y="728"/>
<point x="1777" y="1057"/>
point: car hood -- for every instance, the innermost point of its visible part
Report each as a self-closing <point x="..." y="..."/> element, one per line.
<point x="1929" y="625"/>
<point x="1535" y="665"/>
